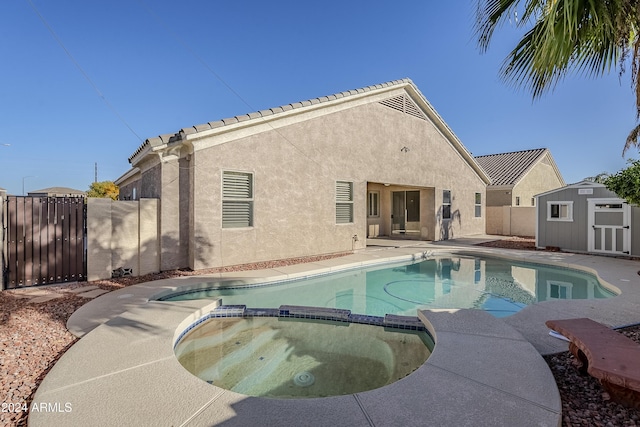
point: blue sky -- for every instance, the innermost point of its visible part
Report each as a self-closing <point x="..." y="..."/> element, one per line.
<point x="160" y="66"/>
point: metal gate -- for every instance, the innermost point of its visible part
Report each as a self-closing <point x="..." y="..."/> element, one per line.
<point x="45" y="240"/>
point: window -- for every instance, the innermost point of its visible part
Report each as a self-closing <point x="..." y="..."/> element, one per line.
<point x="133" y="193"/>
<point x="478" y="212"/>
<point x="559" y="211"/>
<point x="446" y="204"/>
<point x="477" y="271"/>
<point x="533" y="201"/>
<point x="374" y="204"/>
<point x="237" y="199"/>
<point x="344" y="202"/>
<point x="559" y="290"/>
<point x="517" y="200"/>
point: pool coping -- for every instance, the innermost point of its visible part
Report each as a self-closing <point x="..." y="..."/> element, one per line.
<point x="488" y="368"/>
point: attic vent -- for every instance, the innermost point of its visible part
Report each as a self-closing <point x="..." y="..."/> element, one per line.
<point x="405" y="104"/>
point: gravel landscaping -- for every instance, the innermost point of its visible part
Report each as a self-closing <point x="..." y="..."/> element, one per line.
<point x="33" y="337"/>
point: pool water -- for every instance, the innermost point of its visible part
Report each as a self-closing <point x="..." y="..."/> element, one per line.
<point x="495" y="285"/>
<point x="298" y="358"/>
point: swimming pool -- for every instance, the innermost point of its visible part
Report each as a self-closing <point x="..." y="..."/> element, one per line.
<point x="300" y="358"/>
<point x="501" y="287"/>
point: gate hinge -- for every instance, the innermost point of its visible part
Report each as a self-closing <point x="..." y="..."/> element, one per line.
<point x="626" y="226"/>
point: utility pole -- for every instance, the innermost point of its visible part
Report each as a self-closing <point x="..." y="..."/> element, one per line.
<point x="95" y="179"/>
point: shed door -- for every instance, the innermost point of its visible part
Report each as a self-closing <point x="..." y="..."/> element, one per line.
<point x="609" y="226"/>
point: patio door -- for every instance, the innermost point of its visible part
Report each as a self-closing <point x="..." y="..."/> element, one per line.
<point x="405" y="213"/>
<point x="609" y="226"/>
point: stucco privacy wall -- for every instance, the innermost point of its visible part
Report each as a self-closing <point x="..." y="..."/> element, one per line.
<point x="519" y="221"/>
<point x="122" y="234"/>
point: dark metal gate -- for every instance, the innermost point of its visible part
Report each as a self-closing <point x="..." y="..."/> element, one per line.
<point x="45" y="240"/>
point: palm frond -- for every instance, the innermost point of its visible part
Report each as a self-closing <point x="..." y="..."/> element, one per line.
<point x="632" y="139"/>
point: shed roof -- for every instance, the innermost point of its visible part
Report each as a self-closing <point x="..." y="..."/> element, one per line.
<point x="510" y="168"/>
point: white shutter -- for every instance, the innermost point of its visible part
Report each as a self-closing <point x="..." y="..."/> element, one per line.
<point x="237" y="203"/>
<point x="237" y="185"/>
<point x="344" y="202"/>
<point x="237" y="214"/>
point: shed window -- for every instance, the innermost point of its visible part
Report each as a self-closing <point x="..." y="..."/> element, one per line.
<point x="344" y="202"/>
<point x="559" y="211"/>
<point x="478" y="205"/>
<point x="446" y="204"/>
<point x="237" y="199"/>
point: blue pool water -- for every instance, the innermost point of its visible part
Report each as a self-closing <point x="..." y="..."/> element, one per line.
<point x="495" y="285"/>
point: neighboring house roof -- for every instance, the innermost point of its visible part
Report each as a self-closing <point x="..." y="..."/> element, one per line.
<point x="507" y="169"/>
<point x="166" y="141"/>
<point x="58" y="190"/>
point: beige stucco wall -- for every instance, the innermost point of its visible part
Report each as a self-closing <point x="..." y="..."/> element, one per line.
<point x="122" y="234"/>
<point x="511" y="220"/>
<point x="295" y="169"/>
<point x="540" y="179"/>
<point x="519" y="221"/>
<point x="494" y="219"/>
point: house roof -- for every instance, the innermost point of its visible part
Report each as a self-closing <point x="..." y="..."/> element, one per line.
<point x="166" y="141"/>
<point x="507" y="169"/>
<point x="58" y="190"/>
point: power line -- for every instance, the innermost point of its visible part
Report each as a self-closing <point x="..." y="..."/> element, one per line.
<point x="168" y="29"/>
<point x="86" y="76"/>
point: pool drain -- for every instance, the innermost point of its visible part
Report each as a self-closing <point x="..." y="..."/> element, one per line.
<point x="304" y="379"/>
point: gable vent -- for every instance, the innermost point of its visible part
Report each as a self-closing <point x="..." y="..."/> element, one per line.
<point x="405" y="104"/>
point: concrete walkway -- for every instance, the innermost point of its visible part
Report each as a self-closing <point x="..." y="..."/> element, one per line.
<point x="483" y="370"/>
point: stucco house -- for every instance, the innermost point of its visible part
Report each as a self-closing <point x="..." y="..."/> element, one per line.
<point x="312" y="177"/>
<point x="516" y="178"/>
<point x="587" y="217"/>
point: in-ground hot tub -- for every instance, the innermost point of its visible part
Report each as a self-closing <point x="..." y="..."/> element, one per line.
<point x="287" y="357"/>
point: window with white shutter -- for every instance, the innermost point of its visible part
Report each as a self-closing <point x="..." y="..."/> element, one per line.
<point x="237" y="199"/>
<point x="344" y="202"/>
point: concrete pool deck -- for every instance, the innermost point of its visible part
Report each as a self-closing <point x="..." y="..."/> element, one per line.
<point x="483" y="370"/>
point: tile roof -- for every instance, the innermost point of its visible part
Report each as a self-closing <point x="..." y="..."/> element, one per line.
<point x="167" y="138"/>
<point x="509" y="168"/>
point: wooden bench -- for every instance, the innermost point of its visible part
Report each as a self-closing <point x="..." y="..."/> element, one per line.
<point x="604" y="354"/>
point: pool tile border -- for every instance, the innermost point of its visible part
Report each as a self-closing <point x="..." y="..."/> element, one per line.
<point x="391" y="321"/>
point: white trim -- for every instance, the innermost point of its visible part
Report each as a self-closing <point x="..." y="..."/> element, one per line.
<point x="537" y="225"/>
<point x="569" y="205"/>
<point x="476" y="205"/>
<point x="561" y="285"/>
<point x="626" y="225"/>
<point x="248" y="200"/>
